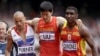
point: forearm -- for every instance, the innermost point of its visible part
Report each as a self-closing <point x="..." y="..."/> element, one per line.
<point x="95" y="51"/>
<point x="7" y="53"/>
<point x="29" y="22"/>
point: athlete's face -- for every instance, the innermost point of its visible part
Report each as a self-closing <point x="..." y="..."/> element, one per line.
<point x="46" y="15"/>
<point x="3" y="27"/>
<point x="19" y="21"/>
<point x="71" y="15"/>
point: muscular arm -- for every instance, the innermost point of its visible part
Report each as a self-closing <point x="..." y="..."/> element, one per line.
<point x="61" y="22"/>
<point x="87" y="36"/>
<point x="33" y="21"/>
<point x="9" y="44"/>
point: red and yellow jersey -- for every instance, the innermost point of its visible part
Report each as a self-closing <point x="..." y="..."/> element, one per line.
<point x="49" y="38"/>
<point x="73" y="43"/>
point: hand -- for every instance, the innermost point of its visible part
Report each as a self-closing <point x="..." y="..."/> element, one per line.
<point x="79" y="22"/>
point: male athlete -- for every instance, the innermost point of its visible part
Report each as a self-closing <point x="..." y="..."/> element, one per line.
<point x="74" y="36"/>
<point x="22" y="35"/>
<point x="48" y="28"/>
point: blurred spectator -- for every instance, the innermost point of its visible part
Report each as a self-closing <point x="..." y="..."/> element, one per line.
<point x="3" y="42"/>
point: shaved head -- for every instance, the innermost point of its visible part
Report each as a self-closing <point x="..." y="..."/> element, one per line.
<point x="18" y="14"/>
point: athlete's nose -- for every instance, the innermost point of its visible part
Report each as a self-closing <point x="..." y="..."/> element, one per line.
<point x="44" y="16"/>
<point x="68" y="15"/>
<point x="19" y="23"/>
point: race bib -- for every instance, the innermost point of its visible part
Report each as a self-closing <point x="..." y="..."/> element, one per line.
<point x="47" y="36"/>
<point x="25" y="49"/>
<point x="70" y="46"/>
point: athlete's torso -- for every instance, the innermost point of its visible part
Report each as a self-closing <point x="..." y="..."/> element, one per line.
<point x="73" y="43"/>
<point x="49" y="38"/>
<point x="24" y="48"/>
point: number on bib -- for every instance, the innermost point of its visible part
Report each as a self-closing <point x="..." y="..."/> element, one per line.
<point x="69" y="36"/>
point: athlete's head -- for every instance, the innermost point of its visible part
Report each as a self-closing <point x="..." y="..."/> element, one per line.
<point x="19" y="19"/>
<point x="46" y="9"/>
<point x="3" y="28"/>
<point x="71" y="14"/>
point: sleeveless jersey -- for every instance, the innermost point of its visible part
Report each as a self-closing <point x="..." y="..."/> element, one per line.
<point x="2" y="48"/>
<point x="49" y="38"/>
<point x="24" y="48"/>
<point x="73" y="43"/>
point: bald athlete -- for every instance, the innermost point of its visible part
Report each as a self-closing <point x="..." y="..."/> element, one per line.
<point x="22" y="35"/>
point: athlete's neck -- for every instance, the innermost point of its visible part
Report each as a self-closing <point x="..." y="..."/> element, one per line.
<point x="48" y="20"/>
<point x="2" y="39"/>
<point x="21" y="29"/>
<point x="71" y="25"/>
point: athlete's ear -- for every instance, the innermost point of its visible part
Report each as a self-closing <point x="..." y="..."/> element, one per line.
<point x="51" y="12"/>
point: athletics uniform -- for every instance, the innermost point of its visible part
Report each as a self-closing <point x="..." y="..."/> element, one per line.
<point x="24" y="48"/>
<point x="73" y="43"/>
<point x="49" y="38"/>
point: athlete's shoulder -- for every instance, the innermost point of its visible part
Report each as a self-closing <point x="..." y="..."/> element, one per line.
<point x="61" y="20"/>
<point x="10" y="29"/>
<point x="83" y="30"/>
<point x="9" y="34"/>
<point x="79" y="22"/>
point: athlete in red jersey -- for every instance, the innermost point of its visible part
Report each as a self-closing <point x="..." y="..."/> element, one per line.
<point x="73" y="36"/>
<point x="49" y="38"/>
<point x="48" y="28"/>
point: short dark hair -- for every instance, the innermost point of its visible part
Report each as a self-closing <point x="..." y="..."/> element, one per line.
<point x="72" y="8"/>
<point x="7" y="26"/>
<point x="46" y="6"/>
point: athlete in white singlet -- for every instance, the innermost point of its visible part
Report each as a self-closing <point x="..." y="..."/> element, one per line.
<point x="22" y="35"/>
